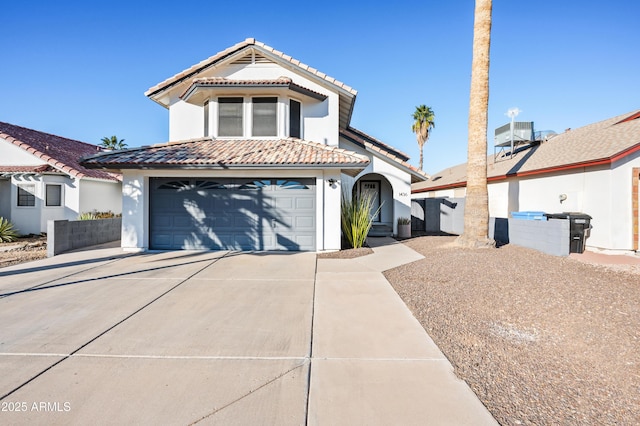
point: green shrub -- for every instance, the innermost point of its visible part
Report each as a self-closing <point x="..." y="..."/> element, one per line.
<point x="7" y="232"/>
<point x="404" y="221"/>
<point x="356" y="217"/>
<point x="87" y="216"/>
<point x="98" y="215"/>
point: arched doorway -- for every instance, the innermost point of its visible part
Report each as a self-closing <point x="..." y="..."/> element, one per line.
<point x="382" y="191"/>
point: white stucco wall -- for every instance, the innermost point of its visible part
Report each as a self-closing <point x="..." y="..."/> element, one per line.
<point x="603" y="192"/>
<point x="33" y="220"/>
<point x="186" y="120"/>
<point x="13" y="155"/>
<point x="320" y="119"/>
<point x="135" y="202"/>
<point x="100" y="196"/>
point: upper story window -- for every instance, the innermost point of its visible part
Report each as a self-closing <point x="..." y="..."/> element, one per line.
<point x="264" y="117"/>
<point x="230" y="121"/>
<point x="26" y="195"/>
<point x="294" y="119"/>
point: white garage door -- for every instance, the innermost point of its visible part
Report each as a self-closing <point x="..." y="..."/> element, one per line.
<point x="232" y="214"/>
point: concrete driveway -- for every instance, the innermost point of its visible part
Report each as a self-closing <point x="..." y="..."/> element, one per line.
<point x="100" y="337"/>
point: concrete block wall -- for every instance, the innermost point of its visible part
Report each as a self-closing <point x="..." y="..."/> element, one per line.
<point x="548" y="236"/>
<point x="64" y="235"/>
<point x="442" y="214"/>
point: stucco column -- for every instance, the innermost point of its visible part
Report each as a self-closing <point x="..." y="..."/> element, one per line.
<point x="135" y="211"/>
<point x="331" y="207"/>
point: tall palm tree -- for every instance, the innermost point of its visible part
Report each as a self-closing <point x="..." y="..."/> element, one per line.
<point x="476" y="210"/>
<point x="423" y="122"/>
<point x="113" y="143"/>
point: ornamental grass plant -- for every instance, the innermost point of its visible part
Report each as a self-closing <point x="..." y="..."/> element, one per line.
<point x="356" y="217"/>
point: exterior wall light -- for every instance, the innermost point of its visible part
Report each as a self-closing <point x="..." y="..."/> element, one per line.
<point x="332" y="182"/>
<point x="562" y="197"/>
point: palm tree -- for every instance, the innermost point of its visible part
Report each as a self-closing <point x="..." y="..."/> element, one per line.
<point x="423" y="122"/>
<point x="113" y="143"/>
<point x="476" y="210"/>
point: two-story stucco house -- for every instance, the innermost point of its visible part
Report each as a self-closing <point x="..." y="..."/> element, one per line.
<point x="260" y="151"/>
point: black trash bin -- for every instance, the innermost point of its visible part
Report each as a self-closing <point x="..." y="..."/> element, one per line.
<point x="579" y="226"/>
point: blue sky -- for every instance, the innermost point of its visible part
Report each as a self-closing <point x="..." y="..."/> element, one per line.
<point x="79" y="69"/>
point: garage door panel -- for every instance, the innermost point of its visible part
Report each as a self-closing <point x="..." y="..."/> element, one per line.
<point x="217" y="214"/>
<point x="305" y="222"/>
<point x="305" y="203"/>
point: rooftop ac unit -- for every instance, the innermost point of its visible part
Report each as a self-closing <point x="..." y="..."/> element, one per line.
<point x="522" y="132"/>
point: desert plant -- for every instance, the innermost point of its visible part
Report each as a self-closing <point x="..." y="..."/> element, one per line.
<point x="404" y="221"/>
<point x="356" y="217"/>
<point x="87" y="216"/>
<point x="7" y="231"/>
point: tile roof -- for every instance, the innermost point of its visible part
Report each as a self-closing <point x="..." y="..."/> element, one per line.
<point x="210" y="153"/>
<point x="193" y="70"/>
<point x="368" y="142"/>
<point x="285" y="82"/>
<point x="42" y="168"/>
<point x="61" y="153"/>
<point x="347" y="94"/>
<point x="595" y="144"/>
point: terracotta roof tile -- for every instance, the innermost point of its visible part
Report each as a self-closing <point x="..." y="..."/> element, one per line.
<point x="216" y="153"/>
<point x="375" y="145"/>
<point x="61" y="153"/>
<point x="42" y="168"/>
<point x="248" y="42"/>
<point x="597" y="143"/>
<point x="225" y="82"/>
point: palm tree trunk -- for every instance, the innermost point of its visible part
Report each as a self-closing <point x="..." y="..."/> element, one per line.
<point x="421" y="150"/>
<point x="476" y="211"/>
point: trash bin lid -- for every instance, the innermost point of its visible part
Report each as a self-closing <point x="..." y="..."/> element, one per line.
<point x="577" y="215"/>
<point x="557" y="215"/>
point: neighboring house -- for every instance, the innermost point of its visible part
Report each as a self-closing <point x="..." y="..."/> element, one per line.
<point x="261" y="149"/>
<point x="594" y="169"/>
<point x="41" y="179"/>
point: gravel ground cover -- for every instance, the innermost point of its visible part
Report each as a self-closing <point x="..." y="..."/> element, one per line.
<point x="540" y="339"/>
<point x="25" y="249"/>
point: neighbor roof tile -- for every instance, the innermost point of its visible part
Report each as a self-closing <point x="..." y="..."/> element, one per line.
<point x="61" y="153"/>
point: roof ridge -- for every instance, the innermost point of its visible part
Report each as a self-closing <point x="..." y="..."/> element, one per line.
<point x="47" y="133"/>
<point x="235" y="48"/>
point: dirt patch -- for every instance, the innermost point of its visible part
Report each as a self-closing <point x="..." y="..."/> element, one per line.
<point x="25" y="249"/>
<point x="540" y="339"/>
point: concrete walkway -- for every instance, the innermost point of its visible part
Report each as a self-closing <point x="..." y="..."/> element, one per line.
<point x="103" y="337"/>
<point x="372" y="361"/>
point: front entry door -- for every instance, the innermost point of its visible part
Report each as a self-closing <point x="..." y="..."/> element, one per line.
<point x="372" y="187"/>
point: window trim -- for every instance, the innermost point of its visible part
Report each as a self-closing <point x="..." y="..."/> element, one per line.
<point x="21" y="187"/>
<point x="46" y="195"/>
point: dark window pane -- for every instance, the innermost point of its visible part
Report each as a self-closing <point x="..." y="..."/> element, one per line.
<point x="294" y="119"/>
<point x="54" y="195"/>
<point x="26" y="195"/>
<point x="230" y="117"/>
<point x="206" y="118"/>
<point x="265" y="121"/>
